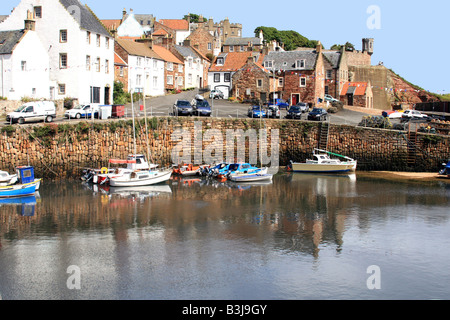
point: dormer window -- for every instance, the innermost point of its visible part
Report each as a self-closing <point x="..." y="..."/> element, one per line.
<point x="268" y="64"/>
<point x="300" y="64"/>
<point x="220" y="61"/>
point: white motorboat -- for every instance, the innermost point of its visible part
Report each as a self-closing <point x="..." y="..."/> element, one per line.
<point x="140" y="178"/>
<point x="251" y="177"/>
<point x="323" y="163"/>
<point x="7" y="179"/>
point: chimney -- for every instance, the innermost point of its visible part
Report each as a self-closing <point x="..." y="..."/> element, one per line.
<point x="319" y="47"/>
<point x="124" y="14"/>
<point x="147" y="41"/>
<point x="187" y="43"/>
<point x="167" y="42"/>
<point x="30" y="24"/>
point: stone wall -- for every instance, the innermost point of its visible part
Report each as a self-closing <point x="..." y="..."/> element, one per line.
<point x="64" y="150"/>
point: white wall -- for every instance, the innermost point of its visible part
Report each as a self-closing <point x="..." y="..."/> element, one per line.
<point x="33" y="82"/>
<point x="148" y="69"/>
<point x="223" y="86"/>
<point x="77" y="79"/>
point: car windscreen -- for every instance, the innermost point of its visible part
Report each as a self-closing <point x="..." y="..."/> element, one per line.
<point x="20" y="108"/>
<point x="183" y="104"/>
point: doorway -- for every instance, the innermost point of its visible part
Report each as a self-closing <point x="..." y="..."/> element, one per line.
<point x="107" y="95"/>
<point x="295" y="98"/>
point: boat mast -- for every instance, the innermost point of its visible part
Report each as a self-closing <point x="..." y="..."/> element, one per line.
<point x="134" y="130"/>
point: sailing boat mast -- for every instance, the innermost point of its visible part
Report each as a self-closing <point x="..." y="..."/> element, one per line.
<point x="134" y="130"/>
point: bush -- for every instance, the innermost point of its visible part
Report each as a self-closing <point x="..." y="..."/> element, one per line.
<point x="376" y="122"/>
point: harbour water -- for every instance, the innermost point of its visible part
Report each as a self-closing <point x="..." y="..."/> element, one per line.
<point x="301" y="237"/>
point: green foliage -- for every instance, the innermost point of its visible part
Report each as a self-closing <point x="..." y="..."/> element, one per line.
<point x="9" y="130"/>
<point x="119" y="95"/>
<point x="348" y="47"/>
<point x="195" y="18"/>
<point x="291" y="39"/>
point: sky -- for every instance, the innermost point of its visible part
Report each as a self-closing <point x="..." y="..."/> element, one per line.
<point x="411" y="37"/>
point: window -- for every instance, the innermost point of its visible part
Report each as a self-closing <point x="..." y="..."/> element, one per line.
<point x="139" y="61"/>
<point x="138" y="79"/>
<point x="259" y="83"/>
<point x="106" y="66"/>
<point x="180" y="68"/>
<point x="190" y="61"/>
<point x="61" y="89"/>
<point x="97" y="65"/>
<point x="303" y="82"/>
<point x="209" y="46"/>
<point x="216" y="77"/>
<point x="88" y="63"/>
<point x="180" y="81"/>
<point x="300" y="64"/>
<point x="155" y="82"/>
<point x="268" y="64"/>
<point x="33" y="91"/>
<point x="63" y="60"/>
<point x="23" y="65"/>
<point x="95" y="95"/>
<point x="280" y="82"/>
<point x="121" y="71"/>
<point x="231" y="48"/>
<point x="227" y="77"/>
<point x="107" y="43"/>
<point x="190" y="78"/>
<point x="170" y="80"/>
<point x="63" y="36"/>
<point x="220" y="61"/>
<point x="98" y="40"/>
<point x="327" y="90"/>
<point x="170" y="66"/>
<point x="155" y="64"/>
<point x="88" y="37"/>
<point x="329" y="74"/>
<point x="38" y="12"/>
<point x="242" y="49"/>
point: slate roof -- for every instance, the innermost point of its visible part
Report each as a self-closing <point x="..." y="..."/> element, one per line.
<point x="187" y="51"/>
<point x="233" y="41"/>
<point x="334" y="57"/>
<point x="88" y="20"/>
<point x="9" y="40"/>
<point x="285" y="60"/>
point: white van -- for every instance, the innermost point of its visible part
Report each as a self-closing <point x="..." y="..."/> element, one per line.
<point x="33" y="111"/>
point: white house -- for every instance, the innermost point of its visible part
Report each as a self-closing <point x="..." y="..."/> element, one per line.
<point x="145" y="67"/>
<point x="23" y="75"/>
<point x="194" y="66"/>
<point x="130" y="27"/>
<point x="80" y="49"/>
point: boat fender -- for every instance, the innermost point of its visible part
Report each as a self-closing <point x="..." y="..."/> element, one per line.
<point x="104" y="170"/>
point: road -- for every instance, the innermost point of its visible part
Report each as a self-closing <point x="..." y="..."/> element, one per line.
<point x="163" y="105"/>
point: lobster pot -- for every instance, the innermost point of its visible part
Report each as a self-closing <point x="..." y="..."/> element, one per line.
<point x="25" y="174"/>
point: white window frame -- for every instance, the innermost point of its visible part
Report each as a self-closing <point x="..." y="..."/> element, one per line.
<point x="88" y="63"/>
<point x="268" y="64"/>
<point x="169" y="66"/>
<point x="300" y="64"/>
<point x="300" y="83"/>
<point x="170" y="79"/>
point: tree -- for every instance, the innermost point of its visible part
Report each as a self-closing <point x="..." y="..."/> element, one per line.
<point x="194" y="18"/>
<point x="291" y="39"/>
<point x="348" y="47"/>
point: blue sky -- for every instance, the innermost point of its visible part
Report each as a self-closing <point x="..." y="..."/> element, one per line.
<point x="410" y="36"/>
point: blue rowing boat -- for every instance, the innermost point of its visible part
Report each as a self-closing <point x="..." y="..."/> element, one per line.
<point x="26" y="186"/>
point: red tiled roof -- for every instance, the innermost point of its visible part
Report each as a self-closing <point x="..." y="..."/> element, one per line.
<point x="160" y="32"/>
<point x="112" y="24"/>
<point x="233" y="61"/>
<point x="118" y="60"/>
<point x="175" y="24"/>
<point x="359" y="88"/>
<point x="166" y="55"/>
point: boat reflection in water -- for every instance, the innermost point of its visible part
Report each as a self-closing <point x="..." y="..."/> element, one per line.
<point x="25" y="206"/>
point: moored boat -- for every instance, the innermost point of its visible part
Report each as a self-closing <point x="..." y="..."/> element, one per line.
<point x="445" y="172"/>
<point x="7" y="179"/>
<point x="251" y="177"/>
<point x="27" y="185"/>
<point x="186" y="170"/>
<point x="140" y="178"/>
<point x="323" y="163"/>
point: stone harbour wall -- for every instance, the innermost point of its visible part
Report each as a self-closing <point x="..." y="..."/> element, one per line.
<point x="64" y="150"/>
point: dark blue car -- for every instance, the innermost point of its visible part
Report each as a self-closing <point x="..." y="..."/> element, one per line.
<point x="294" y="112"/>
<point x="280" y="103"/>
<point x="202" y="108"/>
<point x="257" y="112"/>
<point x="319" y="114"/>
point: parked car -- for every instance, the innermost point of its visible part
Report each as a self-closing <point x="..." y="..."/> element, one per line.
<point x="257" y="112"/>
<point x="391" y="114"/>
<point x="273" y="112"/>
<point x="182" y="107"/>
<point x="318" y="114"/>
<point x="330" y="98"/>
<point x="280" y="103"/>
<point x="83" y="111"/>
<point x="202" y="108"/>
<point x="216" y="94"/>
<point x="304" y="107"/>
<point x="294" y="112"/>
<point x="414" y="115"/>
<point x="33" y="111"/>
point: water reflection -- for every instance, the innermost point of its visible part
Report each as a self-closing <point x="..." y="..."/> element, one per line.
<point x="188" y="232"/>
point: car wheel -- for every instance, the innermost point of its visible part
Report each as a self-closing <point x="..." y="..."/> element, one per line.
<point x="78" y="116"/>
<point x="21" y="121"/>
<point x="49" y="119"/>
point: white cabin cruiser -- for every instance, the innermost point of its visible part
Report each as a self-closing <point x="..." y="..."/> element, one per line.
<point x="323" y="163"/>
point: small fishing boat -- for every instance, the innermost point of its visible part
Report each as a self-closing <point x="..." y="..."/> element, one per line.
<point x="323" y="163"/>
<point x="27" y="185"/>
<point x="251" y="177"/>
<point x="186" y="170"/>
<point x="7" y="179"/>
<point x="140" y="178"/>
